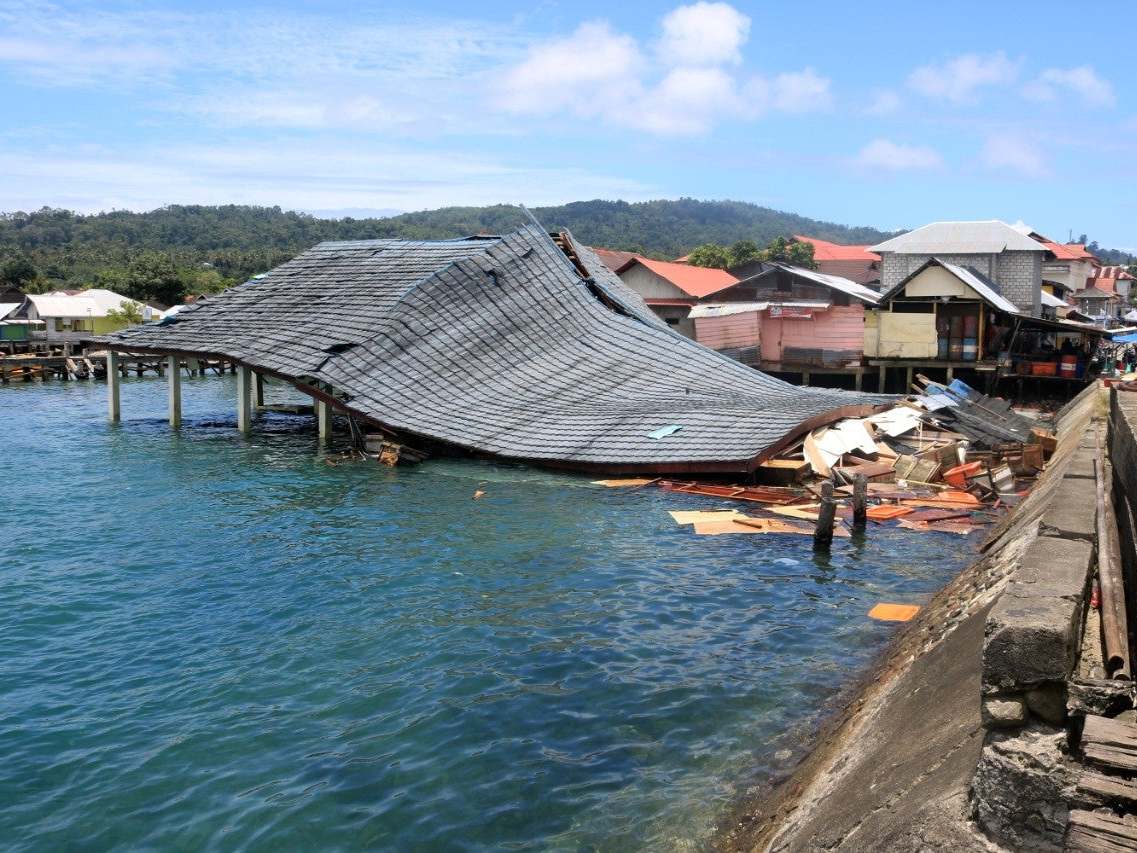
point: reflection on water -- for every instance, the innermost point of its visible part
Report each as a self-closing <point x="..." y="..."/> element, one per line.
<point x="211" y="640"/>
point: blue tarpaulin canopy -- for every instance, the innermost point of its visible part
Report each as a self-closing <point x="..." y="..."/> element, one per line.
<point x="1127" y="338"/>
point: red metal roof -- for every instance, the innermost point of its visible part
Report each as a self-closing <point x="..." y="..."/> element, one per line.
<point x="695" y="281"/>
<point x="823" y="250"/>
<point x="1118" y="272"/>
<point x="1068" y="251"/>
<point x="613" y="258"/>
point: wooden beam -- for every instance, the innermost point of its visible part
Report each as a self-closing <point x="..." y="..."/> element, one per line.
<point x="113" y="410"/>
<point x="244" y="402"/>
<point x="174" y="384"/>
<point x="324" y="420"/>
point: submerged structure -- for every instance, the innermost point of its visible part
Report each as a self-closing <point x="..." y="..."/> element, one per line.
<point x="525" y="347"/>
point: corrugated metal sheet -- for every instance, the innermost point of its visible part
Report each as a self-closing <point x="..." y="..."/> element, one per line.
<point x="501" y="347"/>
<point x="984" y="288"/>
<point x="960" y="238"/>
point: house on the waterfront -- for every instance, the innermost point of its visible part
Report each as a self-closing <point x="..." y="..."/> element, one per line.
<point x="671" y="289"/>
<point x="1112" y="279"/>
<point x="855" y="263"/>
<point x="15" y="326"/>
<point x="996" y="252"/>
<point x="544" y="356"/>
<point x="79" y="315"/>
<point x="1100" y="306"/>
<point x="951" y="316"/>
<point x="787" y="319"/>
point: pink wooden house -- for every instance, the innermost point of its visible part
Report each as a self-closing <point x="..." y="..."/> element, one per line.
<point x="787" y="318"/>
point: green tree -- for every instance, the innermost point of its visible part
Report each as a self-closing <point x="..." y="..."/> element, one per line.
<point x="18" y="271"/>
<point x="801" y="255"/>
<point x="129" y="313"/>
<point x="153" y="276"/>
<point x="709" y="255"/>
<point x="743" y="252"/>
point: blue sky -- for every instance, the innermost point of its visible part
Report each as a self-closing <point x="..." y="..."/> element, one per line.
<point x="884" y="114"/>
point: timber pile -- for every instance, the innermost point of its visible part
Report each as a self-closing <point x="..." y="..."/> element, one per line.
<point x="945" y="460"/>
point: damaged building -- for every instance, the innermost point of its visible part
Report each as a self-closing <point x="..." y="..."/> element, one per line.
<point x="523" y="347"/>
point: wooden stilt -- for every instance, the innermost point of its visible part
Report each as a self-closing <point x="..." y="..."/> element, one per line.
<point x="174" y="381"/>
<point x="908" y="383"/>
<point x="244" y="401"/>
<point x="859" y="380"/>
<point x="860" y="499"/>
<point x="112" y="386"/>
<point x="324" y="421"/>
<point x="880" y="381"/>
<point x="823" y="533"/>
<point x="805" y="379"/>
<point x="258" y="390"/>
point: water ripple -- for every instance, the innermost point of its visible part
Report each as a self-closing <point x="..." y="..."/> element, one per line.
<point x="216" y="642"/>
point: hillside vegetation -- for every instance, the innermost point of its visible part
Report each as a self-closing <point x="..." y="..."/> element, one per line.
<point x="164" y="254"/>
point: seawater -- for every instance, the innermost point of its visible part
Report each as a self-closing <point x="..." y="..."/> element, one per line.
<point x="210" y="641"/>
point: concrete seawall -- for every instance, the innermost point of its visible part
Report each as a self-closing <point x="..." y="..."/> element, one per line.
<point x="958" y="738"/>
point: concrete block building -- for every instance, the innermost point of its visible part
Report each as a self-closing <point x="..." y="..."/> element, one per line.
<point x="997" y="252"/>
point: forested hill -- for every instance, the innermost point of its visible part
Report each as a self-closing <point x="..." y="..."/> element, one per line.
<point x="161" y="255"/>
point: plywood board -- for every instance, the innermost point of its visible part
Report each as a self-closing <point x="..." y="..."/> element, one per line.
<point x="694" y="516"/>
<point x="894" y="612"/>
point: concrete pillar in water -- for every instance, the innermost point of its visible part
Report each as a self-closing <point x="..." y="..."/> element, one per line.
<point x="112" y="386"/>
<point x="324" y="421"/>
<point x="174" y="382"/>
<point x="244" y="402"/>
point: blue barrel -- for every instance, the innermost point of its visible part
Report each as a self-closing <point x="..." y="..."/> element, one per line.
<point x="970" y="349"/>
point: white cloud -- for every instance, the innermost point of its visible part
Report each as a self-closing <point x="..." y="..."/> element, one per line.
<point x="958" y="80"/>
<point x="1082" y="81"/>
<point x="703" y="34"/>
<point x="884" y="102"/>
<point x="1003" y="151"/>
<point x="589" y="71"/>
<point x="598" y="73"/>
<point x="326" y="174"/>
<point x="688" y="100"/>
<point x="886" y="155"/>
<point x="801" y="91"/>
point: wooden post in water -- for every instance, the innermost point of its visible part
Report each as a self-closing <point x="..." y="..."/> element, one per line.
<point x="324" y="421"/>
<point x="174" y="382"/>
<point x="823" y="533"/>
<point x="244" y="391"/>
<point x="112" y="386"/>
<point x="258" y="390"/>
<point x="860" y="500"/>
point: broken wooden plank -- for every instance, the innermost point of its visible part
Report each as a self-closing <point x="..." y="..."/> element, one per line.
<point x="1110" y="742"/>
<point x="1100" y="832"/>
<point x="1111" y="789"/>
<point x="695" y="516"/>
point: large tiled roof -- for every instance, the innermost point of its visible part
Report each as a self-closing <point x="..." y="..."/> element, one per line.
<point x="501" y="346"/>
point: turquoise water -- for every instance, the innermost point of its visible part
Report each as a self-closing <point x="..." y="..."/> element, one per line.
<point x="211" y="641"/>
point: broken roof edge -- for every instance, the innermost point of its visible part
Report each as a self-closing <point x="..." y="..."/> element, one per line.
<point x="833" y="282"/>
<point x="741" y="466"/>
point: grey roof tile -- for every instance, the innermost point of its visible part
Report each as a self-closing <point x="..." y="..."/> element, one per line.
<point x="499" y="346"/>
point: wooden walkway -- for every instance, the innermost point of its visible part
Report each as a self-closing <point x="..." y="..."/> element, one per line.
<point x="1109" y="747"/>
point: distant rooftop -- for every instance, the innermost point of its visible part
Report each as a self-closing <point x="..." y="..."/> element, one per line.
<point x="823" y="250"/>
<point x="984" y="237"/>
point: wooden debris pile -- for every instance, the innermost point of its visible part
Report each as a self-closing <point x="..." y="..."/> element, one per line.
<point x="945" y="460"/>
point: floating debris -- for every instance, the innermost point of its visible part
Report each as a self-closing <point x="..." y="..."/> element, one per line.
<point x="894" y="612"/>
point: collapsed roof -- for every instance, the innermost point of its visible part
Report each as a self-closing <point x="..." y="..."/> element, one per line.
<point x="513" y="346"/>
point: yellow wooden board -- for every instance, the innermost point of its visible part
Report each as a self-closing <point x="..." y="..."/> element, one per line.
<point x="894" y="612"/>
<point x="694" y="516"/>
<point x="617" y="484"/>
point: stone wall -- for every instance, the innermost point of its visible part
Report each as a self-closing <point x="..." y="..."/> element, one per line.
<point x="1024" y="780"/>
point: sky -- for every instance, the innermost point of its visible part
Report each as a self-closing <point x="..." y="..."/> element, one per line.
<point x="883" y="114"/>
